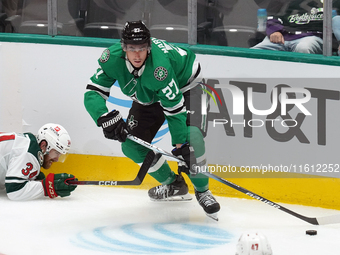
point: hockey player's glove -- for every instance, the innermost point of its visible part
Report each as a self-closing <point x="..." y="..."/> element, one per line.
<point x="114" y="127"/>
<point x="187" y="153"/>
<point x="55" y="185"/>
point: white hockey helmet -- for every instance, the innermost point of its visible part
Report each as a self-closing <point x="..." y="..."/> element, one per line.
<point x="253" y="244"/>
<point x="56" y="137"/>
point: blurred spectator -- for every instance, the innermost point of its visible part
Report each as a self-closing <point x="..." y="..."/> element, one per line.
<point x="297" y="27"/>
<point x="336" y="29"/>
<point x="10" y="7"/>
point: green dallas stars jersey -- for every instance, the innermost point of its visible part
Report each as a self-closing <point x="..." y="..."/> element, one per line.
<point x="164" y="77"/>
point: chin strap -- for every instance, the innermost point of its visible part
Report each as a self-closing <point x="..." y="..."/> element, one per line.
<point x="136" y="72"/>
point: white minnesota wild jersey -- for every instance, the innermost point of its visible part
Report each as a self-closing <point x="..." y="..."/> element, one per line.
<point x="20" y="162"/>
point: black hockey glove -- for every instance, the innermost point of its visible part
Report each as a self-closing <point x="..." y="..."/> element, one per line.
<point x="187" y="153"/>
<point x="114" y="127"/>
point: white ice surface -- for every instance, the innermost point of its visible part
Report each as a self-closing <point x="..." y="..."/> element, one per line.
<point x="100" y="220"/>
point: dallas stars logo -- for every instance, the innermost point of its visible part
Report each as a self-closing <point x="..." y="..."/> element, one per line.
<point x="160" y="73"/>
<point x="132" y="123"/>
<point x="105" y="56"/>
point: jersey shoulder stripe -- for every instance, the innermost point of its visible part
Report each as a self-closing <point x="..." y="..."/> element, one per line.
<point x="6" y="137"/>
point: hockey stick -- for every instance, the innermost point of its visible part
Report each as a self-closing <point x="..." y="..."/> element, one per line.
<point x="332" y="219"/>
<point x="137" y="181"/>
<point x="153" y="147"/>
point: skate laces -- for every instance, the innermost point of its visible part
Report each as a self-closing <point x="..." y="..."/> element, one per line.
<point x="206" y="198"/>
<point x="162" y="190"/>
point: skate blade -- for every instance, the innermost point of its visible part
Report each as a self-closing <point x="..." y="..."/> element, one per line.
<point x="186" y="197"/>
<point x="213" y="216"/>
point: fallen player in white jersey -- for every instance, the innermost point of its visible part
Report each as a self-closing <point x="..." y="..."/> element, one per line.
<point x="23" y="154"/>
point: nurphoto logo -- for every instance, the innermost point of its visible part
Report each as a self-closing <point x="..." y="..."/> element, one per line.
<point x="238" y="100"/>
<point x="281" y="102"/>
<point x="204" y="96"/>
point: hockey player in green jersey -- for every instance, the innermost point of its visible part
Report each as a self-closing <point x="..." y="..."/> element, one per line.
<point x="22" y="156"/>
<point x="162" y="81"/>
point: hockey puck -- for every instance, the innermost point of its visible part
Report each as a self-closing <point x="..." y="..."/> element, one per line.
<point x="311" y="232"/>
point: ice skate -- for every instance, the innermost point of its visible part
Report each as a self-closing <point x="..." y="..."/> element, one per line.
<point x="209" y="203"/>
<point x="175" y="191"/>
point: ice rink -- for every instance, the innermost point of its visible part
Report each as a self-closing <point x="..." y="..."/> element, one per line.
<point x="103" y="220"/>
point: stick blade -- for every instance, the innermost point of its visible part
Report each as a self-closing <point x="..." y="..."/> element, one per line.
<point x="142" y="171"/>
<point x="332" y="219"/>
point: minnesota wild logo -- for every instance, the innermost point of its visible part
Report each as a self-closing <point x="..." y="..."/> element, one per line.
<point x="40" y="158"/>
<point x="105" y="56"/>
<point x="160" y="73"/>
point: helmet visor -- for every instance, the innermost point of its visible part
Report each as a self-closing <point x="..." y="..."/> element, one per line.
<point x="137" y="48"/>
<point x="56" y="156"/>
<point x="62" y="158"/>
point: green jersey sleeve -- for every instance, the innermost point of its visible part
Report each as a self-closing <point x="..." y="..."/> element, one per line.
<point x="98" y="91"/>
<point x="173" y="67"/>
<point x="111" y="66"/>
<point x="172" y="102"/>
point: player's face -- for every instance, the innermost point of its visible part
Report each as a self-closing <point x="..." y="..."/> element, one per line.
<point x="50" y="158"/>
<point x="136" y="54"/>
